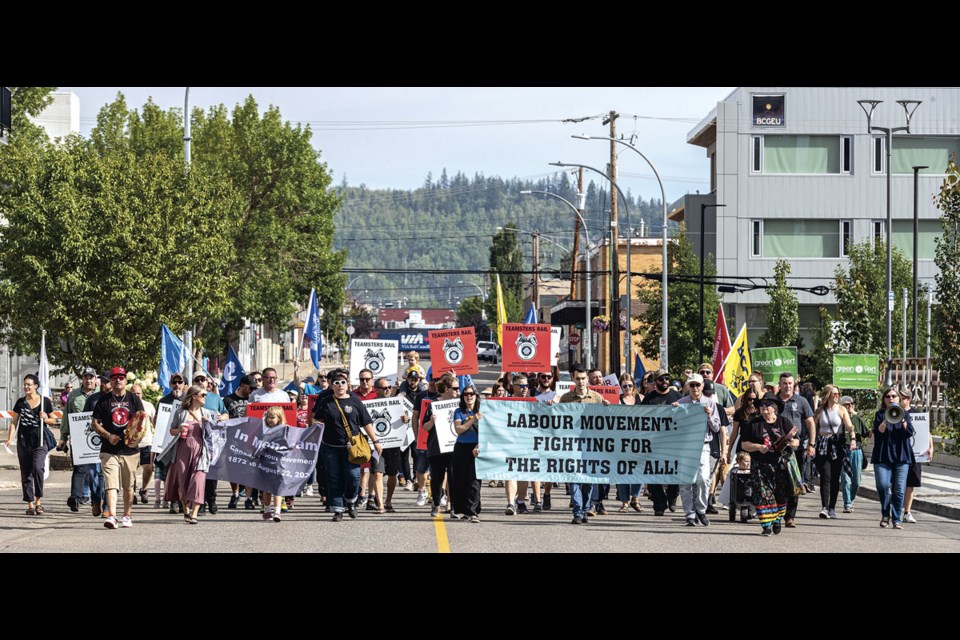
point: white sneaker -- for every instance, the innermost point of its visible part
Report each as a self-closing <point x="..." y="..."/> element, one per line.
<point x="824" y="513"/>
<point x="126" y="522"/>
<point x="443" y="501"/>
<point x="110" y="523"/>
<point x="421" y="498"/>
<point x="908" y="517"/>
<point x="310" y="491"/>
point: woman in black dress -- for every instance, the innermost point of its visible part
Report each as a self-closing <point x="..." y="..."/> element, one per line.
<point x="30" y="414"/>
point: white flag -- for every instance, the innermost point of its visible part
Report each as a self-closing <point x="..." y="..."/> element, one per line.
<point x="44" y="368"/>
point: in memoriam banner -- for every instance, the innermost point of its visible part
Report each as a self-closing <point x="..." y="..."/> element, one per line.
<point x="856" y="371"/>
<point x="775" y="360"/>
<point x="276" y="459"/>
<point x="590" y="443"/>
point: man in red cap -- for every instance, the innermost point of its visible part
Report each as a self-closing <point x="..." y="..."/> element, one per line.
<point x="119" y="462"/>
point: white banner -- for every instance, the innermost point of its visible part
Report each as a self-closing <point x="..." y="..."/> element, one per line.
<point x="921" y="441"/>
<point x="563" y="387"/>
<point x="379" y="356"/>
<point x="387" y="415"/>
<point x="546" y="396"/>
<point x="84" y="441"/>
<point x="161" y="434"/>
<point x="443" y="416"/>
<point x="555" y="345"/>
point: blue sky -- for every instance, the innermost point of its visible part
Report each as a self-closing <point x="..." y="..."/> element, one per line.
<point x="391" y="137"/>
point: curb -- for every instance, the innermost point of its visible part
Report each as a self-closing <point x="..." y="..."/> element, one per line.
<point x="919" y="504"/>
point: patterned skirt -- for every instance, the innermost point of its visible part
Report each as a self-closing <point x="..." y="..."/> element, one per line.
<point x="772" y="490"/>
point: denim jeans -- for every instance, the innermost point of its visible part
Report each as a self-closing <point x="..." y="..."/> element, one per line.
<point x="891" y="485"/>
<point x="582" y="496"/>
<point x="627" y="491"/>
<point x="343" y="477"/>
<point x="86" y="483"/>
<point x="694" y="496"/>
<point x="850" y="485"/>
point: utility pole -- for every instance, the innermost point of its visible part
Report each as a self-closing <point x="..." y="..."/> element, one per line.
<point x="584" y="342"/>
<point x="614" y="365"/>
<point x="536" y="272"/>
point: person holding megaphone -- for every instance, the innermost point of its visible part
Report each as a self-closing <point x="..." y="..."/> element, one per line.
<point x="892" y="456"/>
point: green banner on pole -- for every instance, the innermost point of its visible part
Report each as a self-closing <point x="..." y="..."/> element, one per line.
<point x="856" y="371"/>
<point x="775" y="360"/>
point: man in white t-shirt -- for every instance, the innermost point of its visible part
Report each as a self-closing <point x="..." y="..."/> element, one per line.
<point x="269" y="392"/>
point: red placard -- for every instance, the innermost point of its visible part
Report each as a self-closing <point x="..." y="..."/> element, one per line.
<point x="526" y="347"/>
<point x="454" y="350"/>
<point x="610" y="394"/>
<point x="257" y="409"/>
<point x="421" y="432"/>
<point x="311" y="403"/>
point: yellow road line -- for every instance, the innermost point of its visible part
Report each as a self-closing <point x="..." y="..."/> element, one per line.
<point x="443" y="544"/>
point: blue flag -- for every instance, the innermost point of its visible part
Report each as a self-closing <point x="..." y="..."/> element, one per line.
<point x="638" y="369"/>
<point x="312" y="337"/>
<point x="233" y="374"/>
<point x="531" y="315"/>
<point x="173" y="357"/>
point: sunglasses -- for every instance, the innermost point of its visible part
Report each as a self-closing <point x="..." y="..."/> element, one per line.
<point x="118" y="377"/>
<point x="705" y="373"/>
<point x="754" y="381"/>
<point x="384" y="388"/>
<point x="891" y="396"/>
<point x="523" y="386"/>
<point x="339" y="382"/>
<point x="269" y="378"/>
<point x="365" y="379"/>
<point x="663" y="378"/>
<point x="627" y="385"/>
<point x="202" y="395"/>
<point x="694" y="384"/>
<point x="176" y="382"/>
<point x="469" y="393"/>
<point x="545" y="376"/>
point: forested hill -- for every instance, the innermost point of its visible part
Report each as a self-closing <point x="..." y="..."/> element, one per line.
<point x="449" y="224"/>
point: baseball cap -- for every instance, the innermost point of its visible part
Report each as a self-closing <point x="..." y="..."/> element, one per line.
<point x="117" y="371"/>
<point x="708" y="386"/>
<point x="695" y="378"/>
<point x="660" y="373"/>
<point x="89" y="371"/>
<point x="308" y="379"/>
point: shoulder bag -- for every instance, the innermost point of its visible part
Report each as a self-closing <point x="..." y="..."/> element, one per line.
<point x="358" y="449"/>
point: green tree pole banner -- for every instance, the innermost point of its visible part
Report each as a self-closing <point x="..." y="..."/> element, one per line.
<point x="856" y="371"/>
<point x="775" y="360"/>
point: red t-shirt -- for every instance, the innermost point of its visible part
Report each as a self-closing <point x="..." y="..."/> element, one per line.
<point x="370" y="396"/>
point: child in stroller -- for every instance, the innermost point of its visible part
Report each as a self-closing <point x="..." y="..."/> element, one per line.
<point x="741" y="490"/>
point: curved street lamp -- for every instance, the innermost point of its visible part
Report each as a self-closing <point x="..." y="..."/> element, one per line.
<point x="664" y="340"/>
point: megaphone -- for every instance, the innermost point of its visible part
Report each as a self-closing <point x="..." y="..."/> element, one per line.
<point x="893" y="414"/>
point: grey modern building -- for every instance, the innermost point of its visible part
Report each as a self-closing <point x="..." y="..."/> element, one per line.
<point x="802" y="178"/>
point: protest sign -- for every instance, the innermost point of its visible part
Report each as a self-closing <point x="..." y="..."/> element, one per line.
<point x="161" y="429"/>
<point x="379" y="356"/>
<point x="454" y="349"/>
<point x="443" y="422"/>
<point x="921" y="439"/>
<point x="856" y="371"/>
<point x="257" y="409"/>
<point x="526" y="347"/>
<point x="775" y="360"/>
<point x="555" y="345"/>
<point x="387" y="415"/>
<point x="84" y="441"/>
<point x="610" y="394"/>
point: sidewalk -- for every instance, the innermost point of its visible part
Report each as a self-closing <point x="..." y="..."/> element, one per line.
<point x="939" y="495"/>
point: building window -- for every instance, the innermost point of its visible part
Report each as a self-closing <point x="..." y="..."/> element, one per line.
<point x="878" y="145"/>
<point x="846" y="237"/>
<point x="915" y="151"/>
<point x="801" y="239"/>
<point x="801" y="154"/>
<point x="757" y="154"/>
<point x="756" y="238"/>
<point x="927" y="233"/>
<point x="879" y="235"/>
<point x="846" y="147"/>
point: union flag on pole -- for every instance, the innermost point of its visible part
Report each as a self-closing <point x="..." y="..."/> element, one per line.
<point x="721" y="346"/>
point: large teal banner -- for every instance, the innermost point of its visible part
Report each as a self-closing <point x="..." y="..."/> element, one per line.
<point x="590" y="443"/>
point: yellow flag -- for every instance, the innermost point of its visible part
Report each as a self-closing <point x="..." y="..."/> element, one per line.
<point x="737" y="368"/>
<point x="501" y="312"/>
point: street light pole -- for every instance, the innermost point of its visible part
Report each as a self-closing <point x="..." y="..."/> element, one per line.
<point x="586" y="268"/>
<point x="664" y="340"/>
<point x="483" y="300"/>
<point x="868" y="107"/>
<point x="614" y="322"/>
<point x="916" y="250"/>
<point x="703" y="208"/>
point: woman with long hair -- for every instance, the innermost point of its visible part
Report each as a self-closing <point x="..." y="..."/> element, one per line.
<point x="31" y="414"/>
<point x="449" y="389"/>
<point x="831" y="419"/>
<point x="768" y="439"/>
<point x="891" y="458"/>
<point x="189" y="460"/>
<point x="464" y="485"/>
<point x="629" y="494"/>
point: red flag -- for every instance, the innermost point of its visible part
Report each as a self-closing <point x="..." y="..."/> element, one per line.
<point x="721" y="346"/>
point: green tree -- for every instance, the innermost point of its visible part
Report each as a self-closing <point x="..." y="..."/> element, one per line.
<point x="817" y="362"/>
<point x="26" y="102"/>
<point x="861" y="300"/>
<point x="506" y="256"/>
<point x="946" y="314"/>
<point x="683" y="308"/>
<point x="470" y="314"/>
<point x="362" y="321"/>
<point x="783" y="312"/>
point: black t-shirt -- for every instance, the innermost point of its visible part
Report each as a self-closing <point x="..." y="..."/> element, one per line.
<point x="759" y="431"/>
<point x="655" y="397"/>
<point x="169" y="398"/>
<point x="433" y="444"/>
<point x="92" y="401"/>
<point x="29" y="434"/>
<point x="236" y="406"/>
<point x="114" y="413"/>
<point x="334" y="431"/>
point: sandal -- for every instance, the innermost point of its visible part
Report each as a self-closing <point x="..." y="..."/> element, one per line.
<point x="624" y="508"/>
<point x="884" y="522"/>
<point x="31" y="511"/>
<point x="40" y="510"/>
<point x="186" y="518"/>
<point x="897" y="525"/>
<point x="390" y="509"/>
<point x="194" y="521"/>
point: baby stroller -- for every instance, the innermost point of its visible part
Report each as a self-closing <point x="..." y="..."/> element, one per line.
<point x="741" y="495"/>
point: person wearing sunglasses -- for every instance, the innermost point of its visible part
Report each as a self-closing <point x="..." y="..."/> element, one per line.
<point x="545" y="384"/>
<point x="664" y="496"/>
<point x="86" y="486"/>
<point x="695" y="497"/>
<point x="269" y="392"/>
<point x="410" y="388"/>
<point x="516" y="490"/>
<point x="629" y="494"/>
<point x="464" y="485"/>
<point x="891" y="458"/>
<point x="724" y="396"/>
<point x="118" y="460"/>
<point x="449" y="389"/>
<point x="365" y="389"/>
<point x="343" y="414"/>
<point x="187" y="457"/>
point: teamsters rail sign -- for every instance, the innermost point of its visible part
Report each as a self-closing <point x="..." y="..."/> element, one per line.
<point x="590" y="443"/>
